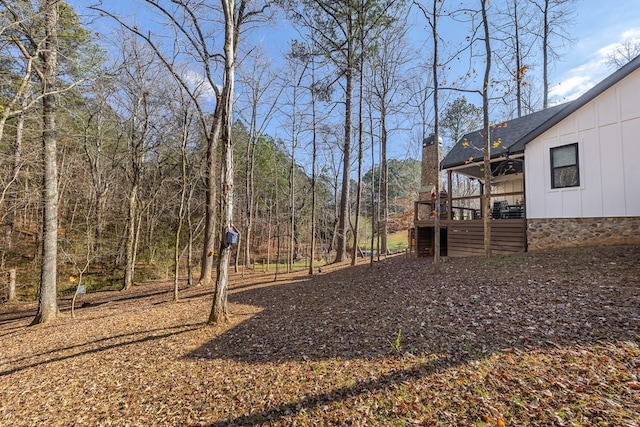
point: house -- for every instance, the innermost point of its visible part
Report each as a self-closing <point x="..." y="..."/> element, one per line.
<point x="564" y="176"/>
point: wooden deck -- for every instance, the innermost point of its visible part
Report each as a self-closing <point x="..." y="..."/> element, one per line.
<point x="466" y="238"/>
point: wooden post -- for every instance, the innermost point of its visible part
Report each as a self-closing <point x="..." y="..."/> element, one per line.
<point x="450" y="193"/>
<point x="12" y="284"/>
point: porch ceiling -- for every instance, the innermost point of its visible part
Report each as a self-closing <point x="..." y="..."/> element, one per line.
<point x="476" y="169"/>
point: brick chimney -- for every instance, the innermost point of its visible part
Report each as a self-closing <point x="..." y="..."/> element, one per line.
<point x="430" y="170"/>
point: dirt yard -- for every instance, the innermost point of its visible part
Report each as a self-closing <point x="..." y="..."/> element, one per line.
<point x="539" y="339"/>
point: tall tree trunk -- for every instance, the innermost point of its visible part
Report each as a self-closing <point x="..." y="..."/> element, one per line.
<point x="277" y="236"/>
<point x="12" y="211"/>
<point x="134" y="220"/>
<point x="356" y="229"/>
<point x="47" y="304"/>
<point x="545" y="56"/>
<point x="384" y="183"/>
<point x="486" y="195"/>
<point x="519" y="74"/>
<point x="375" y="216"/>
<point x="100" y="187"/>
<point x="191" y="237"/>
<point x="312" y="252"/>
<point x="292" y="205"/>
<point x="182" y="207"/>
<point x="436" y="140"/>
<point x="292" y="164"/>
<point x="249" y="189"/>
<point x="219" y="312"/>
<point x="268" y="261"/>
<point x="343" y="214"/>
<point x="237" y="254"/>
<point x="129" y="268"/>
<point x="12" y="284"/>
<point x="208" y="248"/>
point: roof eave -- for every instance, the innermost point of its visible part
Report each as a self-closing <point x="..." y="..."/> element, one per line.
<point x="494" y="156"/>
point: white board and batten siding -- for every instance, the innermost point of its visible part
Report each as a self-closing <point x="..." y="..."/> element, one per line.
<point x="607" y="131"/>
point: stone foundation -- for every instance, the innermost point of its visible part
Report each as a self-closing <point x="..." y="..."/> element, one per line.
<point x="553" y="233"/>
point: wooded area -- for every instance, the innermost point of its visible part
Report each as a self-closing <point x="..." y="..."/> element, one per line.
<point x="139" y="148"/>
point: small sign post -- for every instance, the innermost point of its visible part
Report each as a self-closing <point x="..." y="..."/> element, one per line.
<point x="80" y="289"/>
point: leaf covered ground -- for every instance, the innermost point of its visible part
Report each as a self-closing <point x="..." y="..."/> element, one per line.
<point x="540" y="339"/>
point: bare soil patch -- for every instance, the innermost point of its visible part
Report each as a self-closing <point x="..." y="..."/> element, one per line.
<point x="542" y="339"/>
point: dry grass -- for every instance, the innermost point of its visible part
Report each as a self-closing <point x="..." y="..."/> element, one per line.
<point x="536" y="339"/>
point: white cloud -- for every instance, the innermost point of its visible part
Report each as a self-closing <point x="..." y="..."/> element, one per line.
<point x="579" y="79"/>
<point x="198" y="82"/>
<point x="570" y="88"/>
<point x="626" y="36"/>
<point x="631" y="34"/>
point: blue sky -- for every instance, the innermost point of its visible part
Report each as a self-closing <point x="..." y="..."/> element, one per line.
<point x="599" y="26"/>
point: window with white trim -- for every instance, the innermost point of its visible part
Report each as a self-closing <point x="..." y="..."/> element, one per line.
<point x="565" y="170"/>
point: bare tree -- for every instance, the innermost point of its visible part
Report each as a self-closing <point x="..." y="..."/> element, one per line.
<point x="304" y="66"/>
<point x="556" y="14"/>
<point x="623" y="53"/>
<point x="386" y="82"/>
<point x="298" y="64"/>
<point x="517" y="37"/>
<point x="12" y="187"/>
<point x="101" y="147"/>
<point x="486" y="83"/>
<point x="314" y="155"/>
<point x="20" y="64"/>
<point x="185" y="126"/>
<point x="184" y="17"/>
<point x="481" y="33"/>
<point x="21" y="60"/>
<point x="25" y="54"/>
<point x="188" y="19"/>
<point x="138" y="71"/>
<point x="317" y="93"/>
<point x="336" y="27"/>
<point x="433" y="22"/>
<point x="47" y="304"/>
<point x="234" y="17"/>
<point x="257" y="77"/>
<point x="459" y="118"/>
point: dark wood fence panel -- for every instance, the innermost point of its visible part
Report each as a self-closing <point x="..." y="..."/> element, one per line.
<point x="466" y="238"/>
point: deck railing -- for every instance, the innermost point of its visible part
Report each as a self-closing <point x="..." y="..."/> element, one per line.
<point x="503" y="206"/>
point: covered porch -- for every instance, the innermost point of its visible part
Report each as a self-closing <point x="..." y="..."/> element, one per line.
<point x="460" y="212"/>
<point x="466" y="238"/>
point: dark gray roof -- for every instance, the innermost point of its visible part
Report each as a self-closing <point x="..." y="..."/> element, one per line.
<point x="519" y="132"/>
<point x="508" y="133"/>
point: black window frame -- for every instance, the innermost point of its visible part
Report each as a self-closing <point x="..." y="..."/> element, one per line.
<point x="575" y="165"/>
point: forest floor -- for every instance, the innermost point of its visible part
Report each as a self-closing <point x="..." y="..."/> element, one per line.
<point x="541" y="339"/>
